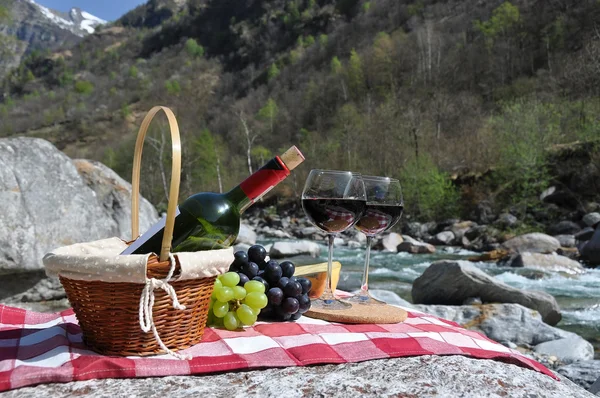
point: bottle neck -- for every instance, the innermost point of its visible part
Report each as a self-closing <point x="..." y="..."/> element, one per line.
<point x="258" y="184"/>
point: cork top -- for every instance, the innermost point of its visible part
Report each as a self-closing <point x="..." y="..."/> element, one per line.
<point x="292" y="158"/>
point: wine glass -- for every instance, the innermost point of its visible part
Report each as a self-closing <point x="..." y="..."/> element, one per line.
<point x="384" y="209"/>
<point x="333" y="201"/>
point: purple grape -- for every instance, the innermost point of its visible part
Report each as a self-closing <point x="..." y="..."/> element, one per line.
<point x="306" y="285"/>
<point x="293" y="279"/>
<point x="290" y="305"/>
<point x="243" y="279"/>
<point x="261" y="280"/>
<point x="281" y="315"/>
<point x="296" y="316"/>
<point x="282" y="282"/>
<point x="304" y="303"/>
<point x="250" y="269"/>
<point x="287" y="268"/>
<point x="267" y="313"/>
<point x="257" y="254"/>
<point x="292" y="289"/>
<point x="240" y="258"/>
<point x="273" y="272"/>
<point x="275" y="296"/>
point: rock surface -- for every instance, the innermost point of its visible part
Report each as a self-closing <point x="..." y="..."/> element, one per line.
<point x="566" y="240"/>
<point x="50" y="200"/>
<point x="547" y="262"/>
<point x="534" y="242"/>
<point x="584" y="373"/>
<point x="563" y="228"/>
<point x="591" y="251"/>
<point x="413" y="246"/>
<point x="246" y="235"/>
<point x="452" y="282"/>
<point x="569" y="350"/>
<point x="289" y="249"/>
<point x="422" y="376"/>
<point x="591" y="219"/>
<point x="390" y="242"/>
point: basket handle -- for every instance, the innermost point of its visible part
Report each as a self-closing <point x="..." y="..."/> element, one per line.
<point x="175" y="178"/>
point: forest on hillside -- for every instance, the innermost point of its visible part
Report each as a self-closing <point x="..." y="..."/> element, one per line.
<point x="426" y="91"/>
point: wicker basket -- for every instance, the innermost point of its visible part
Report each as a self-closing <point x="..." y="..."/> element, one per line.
<point x="109" y="313"/>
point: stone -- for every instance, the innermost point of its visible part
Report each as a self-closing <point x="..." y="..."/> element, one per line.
<point x="390" y="242"/>
<point x="307" y="232"/>
<point x="504" y="323"/>
<point x="275" y="233"/>
<point x="49" y="201"/>
<point x="533" y="242"/>
<point x="583" y="373"/>
<point x="562" y="198"/>
<point x="45" y="290"/>
<point x="506" y="220"/>
<point x="352" y="244"/>
<point x="294" y="248"/>
<point x="413" y="246"/>
<point x="412" y="229"/>
<point x="595" y="388"/>
<point x="591" y="251"/>
<point x="452" y="282"/>
<point x="591" y="219"/>
<point x="585" y="234"/>
<point x="460" y="228"/>
<point x="563" y="228"/>
<point x="338" y="242"/>
<point x="428" y="228"/>
<point x="548" y="262"/>
<point x="566" y="240"/>
<point x="445" y="238"/>
<point x="484" y="213"/>
<point x="389" y="297"/>
<point x="418" y="376"/>
<point x="568" y="350"/>
<point x="246" y="235"/>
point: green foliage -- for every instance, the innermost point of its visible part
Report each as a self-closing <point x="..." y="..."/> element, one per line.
<point x="503" y="19"/>
<point x="366" y="6"/>
<point x="173" y="87"/>
<point x="260" y="154"/>
<point x="84" y="87"/>
<point x="133" y="71"/>
<point x="125" y="111"/>
<point x="356" y="77"/>
<point x="113" y="91"/>
<point x="66" y="78"/>
<point x="428" y="192"/>
<point x="323" y="40"/>
<point x="294" y="56"/>
<point x="336" y="66"/>
<point x="204" y="170"/>
<point x="309" y="41"/>
<point x="273" y="72"/>
<point x="416" y="8"/>
<point x="194" y="49"/>
<point x="268" y="113"/>
<point x="4" y="14"/>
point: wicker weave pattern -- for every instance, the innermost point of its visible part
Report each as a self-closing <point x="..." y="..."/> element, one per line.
<point x="108" y="313"/>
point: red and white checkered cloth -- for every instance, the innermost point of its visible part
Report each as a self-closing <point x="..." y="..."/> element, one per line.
<point x="46" y="348"/>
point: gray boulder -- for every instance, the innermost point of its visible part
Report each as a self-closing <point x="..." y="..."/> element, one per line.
<point x="564" y="227"/>
<point x="584" y="373"/>
<point x="595" y="388"/>
<point x="591" y="219"/>
<point x="585" y="234"/>
<point x="566" y="240"/>
<point x="390" y="242"/>
<point x="534" y="242"/>
<point x="591" y="251"/>
<point x="451" y="283"/>
<point x="246" y="235"/>
<point x="444" y="238"/>
<point x="547" y="262"/>
<point x="413" y="246"/>
<point x="506" y="220"/>
<point x="568" y="350"/>
<point x="50" y="200"/>
<point x="459" y="229"/>
<point x="419" y="376"/>
<point x="295" y="248"/>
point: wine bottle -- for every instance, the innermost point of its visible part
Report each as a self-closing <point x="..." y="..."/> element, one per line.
<point x="207" y="220"/>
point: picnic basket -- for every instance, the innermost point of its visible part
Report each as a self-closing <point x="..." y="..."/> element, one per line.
<point x="112" y="315"/>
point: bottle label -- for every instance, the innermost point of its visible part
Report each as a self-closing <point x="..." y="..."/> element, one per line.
<point x="265" y="179"/>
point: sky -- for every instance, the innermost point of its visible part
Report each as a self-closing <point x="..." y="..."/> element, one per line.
<point x="105" y="9"/>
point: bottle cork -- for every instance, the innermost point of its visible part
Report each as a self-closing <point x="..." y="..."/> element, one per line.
<point x="292" y="158"/>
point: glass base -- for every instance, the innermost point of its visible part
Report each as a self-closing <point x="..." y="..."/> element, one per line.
<point x="364" y="299"/>
<point x="329" y="304"/>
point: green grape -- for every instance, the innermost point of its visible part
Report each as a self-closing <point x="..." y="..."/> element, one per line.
<point x="256" y="300"/>
<point x="254" y="286"/>
<point x="230" y="279"/>
<point x="246" y="315"/>
<point x="231" y="321"/>
<point x="220" y="309"/>
<point x="239" y="292"/>
<point x="218" y="284"/>
<point x="224" y="294"/>
<point x="256" y="311"/>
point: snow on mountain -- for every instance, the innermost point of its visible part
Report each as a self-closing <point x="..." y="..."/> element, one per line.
<point x="77" y="21"/>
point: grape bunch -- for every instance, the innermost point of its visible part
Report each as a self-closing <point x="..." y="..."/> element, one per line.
<point x="233" y="305"/>
<point x="287" y="295"/>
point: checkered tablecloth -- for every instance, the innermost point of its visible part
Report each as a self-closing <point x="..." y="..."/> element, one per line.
<point x="46" y="348"/>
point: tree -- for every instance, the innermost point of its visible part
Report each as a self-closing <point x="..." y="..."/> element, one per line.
<point x="337" y="69"/>
<point x="268" y="113"/>
<point x="273" y="72"/>
<point x="250" y="137"/>
<point x="348" y="125"/>
<point x="205" y="160"/>
<point x="356" y="76"/>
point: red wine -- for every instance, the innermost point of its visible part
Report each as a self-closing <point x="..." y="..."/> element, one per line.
<point x="333" y="215"/>
<point x="378" y="218"/>
<point x="207" y="220"/>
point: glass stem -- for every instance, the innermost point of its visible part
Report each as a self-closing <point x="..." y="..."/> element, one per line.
<point x="328" y="293"/>
<point x="364" y="287"/>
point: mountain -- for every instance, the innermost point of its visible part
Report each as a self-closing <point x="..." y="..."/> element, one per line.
<point x="420" y="89"/>
<point x="29" y="26"/>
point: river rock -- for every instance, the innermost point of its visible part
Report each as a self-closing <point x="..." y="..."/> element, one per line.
<point x="352" y="244"/>
<point x="504" y="323"/>
<point x="566" y="240"/>
<point x="459" y="229"/>
<point x="308" y="232"/>
<point x="452" y="282"/>
<point x="389" y="297"/>
<point x="484" y="213"/>
<point x="585" y="234"/>
<point x="563" y="228"/>
<point x="275" y="233"/>
<point x="534" y="242"/>
<point x="591" y="251"/>
<point x="591" y="219"/>
<point x="49" y="200"/>
<point x="246" y="235"/>
<point x="412" y="229"/>
<point x="413" y="246"/>
<point x="547" y="262"/>
<point x="506" y="220"/>
<point x="595" y="388"/>
<point x="295" y="248"/>
<point x="390" y="242"/>
<point x="420" y="376"/>
<point x="568" y="350"/>
<point x="444" y="238"/>
<point x="583" y="373"/>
